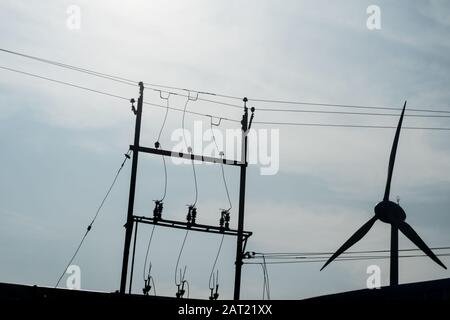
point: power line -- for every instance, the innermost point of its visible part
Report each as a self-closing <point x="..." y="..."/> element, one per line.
<point x="281" y="258"/>
<point x="190" y="112"/>
<point x="340" y="105"/>
<point x="74" y="68"/>
<point x="152" y="86"/>
<point x="124" y="80"/>
<point x="306" y="124"/>
<point x="347" y="259"/>
<point x="215" y="116"/>
<point x="64" y="83"/>
<point x="352" y="113"/>
<point x="192" y="90"/>
<point x="346" y="252"/>
<point x="127" y="156"/>
<point x="313" y="258"/>
<point x="109" y="94"/>
<point x="111" y="77"/>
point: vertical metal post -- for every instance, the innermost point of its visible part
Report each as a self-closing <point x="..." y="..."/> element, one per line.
<point x="132" y="256"/>
<point x="394" y="256"/>
<point x="240" y="236"/>
<point x="129" y="223"/>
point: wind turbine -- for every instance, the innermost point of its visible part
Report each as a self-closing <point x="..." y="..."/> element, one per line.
<point x="389" y="212"/>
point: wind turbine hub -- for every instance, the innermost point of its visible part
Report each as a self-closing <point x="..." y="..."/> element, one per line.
<point x="388" y="212"/>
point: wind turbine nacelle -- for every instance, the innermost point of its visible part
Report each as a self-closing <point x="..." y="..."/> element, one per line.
<point x="388" y="212"/>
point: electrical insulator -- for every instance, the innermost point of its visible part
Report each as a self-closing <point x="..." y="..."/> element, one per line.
<point x="157" y="211"/>
<point x="227" y="220"/>
<point x="221" y="220"/>
<point x="194" y="215"/>
<point x="189" y="215"/>
<point x="224" y="221"/>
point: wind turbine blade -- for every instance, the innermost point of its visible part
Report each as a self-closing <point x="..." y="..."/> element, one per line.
<point x="409" y="232"/>
<point x="353" y="239"/>
<point x="392" y="157"/>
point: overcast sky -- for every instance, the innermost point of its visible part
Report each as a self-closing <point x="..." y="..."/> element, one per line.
<point x="61" y="146"/>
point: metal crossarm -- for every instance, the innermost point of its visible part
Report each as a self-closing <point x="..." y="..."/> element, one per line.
<point x="189" y="156"/>
<point x="133" y="220"/>
<point x="190" y="226"/>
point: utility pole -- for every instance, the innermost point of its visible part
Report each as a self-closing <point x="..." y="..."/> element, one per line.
<point x="129" y="223"/>
<point x="240" y="239"/>
<point x="224" y="229"/>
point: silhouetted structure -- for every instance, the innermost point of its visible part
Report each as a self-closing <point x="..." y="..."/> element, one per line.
<point x="390" y="212"/>
<point x="190" y="224"/>
<point x="436" y="290"/>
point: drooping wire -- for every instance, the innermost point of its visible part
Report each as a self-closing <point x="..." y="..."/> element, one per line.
<point x="178" y="261"/>
<point x="211" y="124"/>
<point x="195" y="183"/>
<point x="189" y="148"/>
<point x="214" y="264"/>
<point x="180" y="284"/>
<point x="165" y="115"/>
<point x="182" y="124"/>
<point x="226" y="188"/>
<point x="148" y="279"/>
<point x="158" y="144"/>
<point x="127" y="156"/>
<point x="165" y="179"/>
<point x="222" y="154"/>
<point x="146" y="274"/>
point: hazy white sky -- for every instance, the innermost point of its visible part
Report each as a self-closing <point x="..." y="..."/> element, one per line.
<point x="61" y="146"/>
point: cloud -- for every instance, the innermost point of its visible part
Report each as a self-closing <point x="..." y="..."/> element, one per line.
<point x="62" y="142"/>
